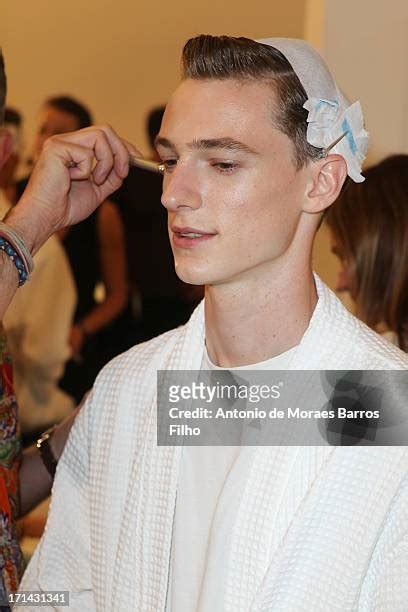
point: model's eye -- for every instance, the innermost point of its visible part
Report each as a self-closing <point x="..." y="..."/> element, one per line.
<point x="169" y="164"/>
<point x="225" y="167"/>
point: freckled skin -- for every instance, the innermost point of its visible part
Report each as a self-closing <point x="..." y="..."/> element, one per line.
<point x="256" y="208"/>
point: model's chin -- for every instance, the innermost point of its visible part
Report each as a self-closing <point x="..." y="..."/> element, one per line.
<point x="189" y="275"/>
<point x="192" y="272"/>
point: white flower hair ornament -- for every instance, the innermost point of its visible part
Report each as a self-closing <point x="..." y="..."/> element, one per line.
<point x="340" y="131"/>
<point x="333" y="123"/>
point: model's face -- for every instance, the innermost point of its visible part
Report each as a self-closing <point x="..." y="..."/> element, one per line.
<point x="231" y="187"/>
<point x="52" y="122"/>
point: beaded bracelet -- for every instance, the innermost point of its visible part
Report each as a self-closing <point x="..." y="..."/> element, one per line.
<point x="13" y="245"/>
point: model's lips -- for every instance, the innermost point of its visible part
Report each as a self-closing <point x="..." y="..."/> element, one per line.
<point x="189" y="236"/>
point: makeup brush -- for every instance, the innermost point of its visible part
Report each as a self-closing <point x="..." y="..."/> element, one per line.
<point x="145" y="164"/>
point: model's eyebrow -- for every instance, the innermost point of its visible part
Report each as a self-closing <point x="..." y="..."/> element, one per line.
<point x="228" y="144"/>
<point x="159" y="141"/>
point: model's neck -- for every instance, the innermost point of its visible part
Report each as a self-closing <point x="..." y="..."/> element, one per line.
<point x="249" y="321"/>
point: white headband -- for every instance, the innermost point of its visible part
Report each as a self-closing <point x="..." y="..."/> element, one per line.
<point x="333" y="123"/>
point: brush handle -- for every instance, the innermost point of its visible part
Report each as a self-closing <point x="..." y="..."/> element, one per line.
<point x="145" y="164"/>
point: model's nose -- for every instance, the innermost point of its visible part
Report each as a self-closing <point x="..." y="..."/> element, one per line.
<point x="181" y="188"/>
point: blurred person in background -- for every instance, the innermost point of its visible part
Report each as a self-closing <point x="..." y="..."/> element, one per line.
<point x="164" y="301"/>
<point x="369" y="235"/>
<point x="97" y="255"/>
<point x="13" y="124"/>
<point x="38" y="320"/>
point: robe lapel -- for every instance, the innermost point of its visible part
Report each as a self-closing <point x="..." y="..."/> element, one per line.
<point x="281" y="477"/>
<point x="143" y="553"/>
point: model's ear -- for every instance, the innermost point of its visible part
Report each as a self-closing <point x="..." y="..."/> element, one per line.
<point x="6" y="146"/>
<point x="327" y="176"/>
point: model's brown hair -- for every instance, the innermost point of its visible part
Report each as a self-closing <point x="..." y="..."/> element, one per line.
<point x="226" y="57"/>
<point x="369" y="223"/>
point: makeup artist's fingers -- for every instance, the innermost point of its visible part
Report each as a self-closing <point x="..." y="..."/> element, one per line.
<point x="111" y="151"/>
<point x="78" y="159"/>
<point x="59" y="163"/>
<point x="112" y="183"/>
<point x="95" y="139"/>
<point x="120" y="149"/>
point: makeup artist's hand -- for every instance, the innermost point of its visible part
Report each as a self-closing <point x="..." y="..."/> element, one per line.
<point x="74" y="174"/>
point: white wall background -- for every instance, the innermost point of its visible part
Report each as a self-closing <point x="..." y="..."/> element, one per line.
<point x="365" y="43"/>
<point x="121" y="57"/>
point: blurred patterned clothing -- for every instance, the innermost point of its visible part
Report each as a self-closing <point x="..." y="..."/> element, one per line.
<point x="11" y="560"/>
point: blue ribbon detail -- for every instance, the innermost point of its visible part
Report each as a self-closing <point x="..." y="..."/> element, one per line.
<point x="345" y="126"/>
<point x="323" y="102"/>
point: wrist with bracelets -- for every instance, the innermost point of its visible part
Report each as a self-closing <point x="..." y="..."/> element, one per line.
<point x="12" y="244"/>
